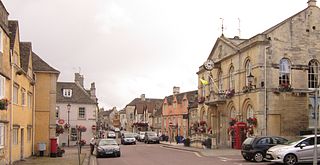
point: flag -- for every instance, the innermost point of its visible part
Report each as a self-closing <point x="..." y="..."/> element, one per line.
<point x="204" y="82"/>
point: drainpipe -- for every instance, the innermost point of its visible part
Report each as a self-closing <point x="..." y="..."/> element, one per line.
<point x="265" y="91"/>
<point x="11" y="112"/>
<point x="33" y="117"/>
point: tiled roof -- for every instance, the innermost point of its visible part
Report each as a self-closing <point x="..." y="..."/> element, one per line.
<point x="13" y="27"/>
<point x="79" y="95"/>
<point x="192" y="96"/>
<point x="147" y="104"/>
<point x="25" y="52"/>
<point x="41" y="66"/>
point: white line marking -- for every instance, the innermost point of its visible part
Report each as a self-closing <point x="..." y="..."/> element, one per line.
<point x="197" y="154"/>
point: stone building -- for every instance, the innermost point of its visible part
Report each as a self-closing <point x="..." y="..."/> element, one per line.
<point x="175" y="110"/>
<point x="265" y="81"/>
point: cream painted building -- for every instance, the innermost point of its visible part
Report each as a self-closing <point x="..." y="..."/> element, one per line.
<point x="266" y="78"/>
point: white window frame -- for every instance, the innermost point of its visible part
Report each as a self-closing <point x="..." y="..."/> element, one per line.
<point x="84" y="115"/>
<point x="15" y="135"/>
<point x="2" y="135"/>
<point x="23" y="97"/>
<point x="15" y="93"/>
<point x="67" y="92"/>
<point x="2" y="86"/>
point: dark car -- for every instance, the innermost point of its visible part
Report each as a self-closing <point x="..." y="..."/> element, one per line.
<point x="255" y="148"/>
<point x="128" y="138"/>
<point x="107" y="147"/>
<point x="151" y="137"/>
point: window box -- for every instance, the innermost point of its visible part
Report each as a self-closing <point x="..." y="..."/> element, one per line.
<point x="4" y="104"/>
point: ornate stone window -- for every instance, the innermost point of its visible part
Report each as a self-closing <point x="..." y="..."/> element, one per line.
<point x="313" y="74"/>
<point x="284" y="72"/>
<point x="231" y="78"/>
<point x="248" y="68"/>
<point x="249" y="111"/>
<point x="233" y="113"/>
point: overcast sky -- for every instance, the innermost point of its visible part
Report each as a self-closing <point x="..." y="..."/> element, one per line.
<point x="134" y="47"/>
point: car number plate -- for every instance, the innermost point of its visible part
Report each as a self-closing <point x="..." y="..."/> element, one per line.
<point x="108" y="152"/>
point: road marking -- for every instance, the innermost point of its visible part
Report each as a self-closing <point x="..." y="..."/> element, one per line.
<point x="196" y="153"/>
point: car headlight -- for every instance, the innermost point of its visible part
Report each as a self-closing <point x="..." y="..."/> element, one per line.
<point x="100" y="149"/>
<point x="117" y="149"/>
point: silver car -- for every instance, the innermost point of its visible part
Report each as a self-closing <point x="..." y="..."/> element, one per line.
<point x="107" y="147"/>
<point x="299" y="150"/>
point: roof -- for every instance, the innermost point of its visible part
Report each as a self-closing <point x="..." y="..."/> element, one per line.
<point x="106" y="113"/>
<point x="146" y="104"/>
<point x="79" y="95"/>
<point x="41" y="66"/>
<point x="13" y="27"/>
<point x="25" y="52"/>
<point x="192" y="97"/>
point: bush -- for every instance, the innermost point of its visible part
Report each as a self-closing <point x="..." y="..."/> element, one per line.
<point x="187" y="142"/>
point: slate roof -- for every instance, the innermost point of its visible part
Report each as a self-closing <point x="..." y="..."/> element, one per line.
<point x="147" y="104"/>
<point x="192" y="97"/>
<point x="79" y="95"/>
<point x="25" y="52"/>
<point x="39" y="65"/>
<point x="13" y="27"/>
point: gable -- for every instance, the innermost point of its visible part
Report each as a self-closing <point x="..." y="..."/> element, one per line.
<point x="222" y="48"/>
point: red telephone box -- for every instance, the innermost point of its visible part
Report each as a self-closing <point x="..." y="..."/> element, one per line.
<point x="239" y="134"/>
<point x="53" y="147"/>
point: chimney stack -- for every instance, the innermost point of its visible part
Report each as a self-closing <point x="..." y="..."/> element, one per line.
<point x="78" y="79"/>
<point x="176" y="90"/>
<point x="93" y="91"/>
<point x="312" y="3"/>
<point x="143" y="97"/>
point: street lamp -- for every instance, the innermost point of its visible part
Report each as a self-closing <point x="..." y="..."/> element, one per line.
<point x="68" y="108"/>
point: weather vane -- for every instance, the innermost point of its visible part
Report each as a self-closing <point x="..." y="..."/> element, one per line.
<point x="222" y="25"/>
<point x="239" y="27"/>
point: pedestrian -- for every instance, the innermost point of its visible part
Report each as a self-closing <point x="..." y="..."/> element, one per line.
<point x="92" y="144"/>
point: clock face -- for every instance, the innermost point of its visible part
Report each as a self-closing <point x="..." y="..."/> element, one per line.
<point x="208" y="65"/>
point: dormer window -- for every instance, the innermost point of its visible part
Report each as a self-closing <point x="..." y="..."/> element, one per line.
<point x="67" y="92"/>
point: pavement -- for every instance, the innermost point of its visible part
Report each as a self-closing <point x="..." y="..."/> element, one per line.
<point x="203" y="151"/>
<point x="71" y="155"/>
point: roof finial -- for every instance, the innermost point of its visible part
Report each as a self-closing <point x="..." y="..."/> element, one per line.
<point x="239" y="28"/>
<point x="222" y="26"/>
<point x="312" y="3"/>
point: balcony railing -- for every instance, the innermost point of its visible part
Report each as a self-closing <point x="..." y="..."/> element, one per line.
<point x="216" y="98"/>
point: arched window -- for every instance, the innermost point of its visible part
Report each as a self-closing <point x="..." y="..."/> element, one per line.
<point x="220" y="82"/>
<point x="249" y="111"/>
<point x="233" y="113"/>
<point x="248" y="71"/>
<point x="284" y="72"/>
<point x="313" y="74"/>
<point x="231" y="78"/>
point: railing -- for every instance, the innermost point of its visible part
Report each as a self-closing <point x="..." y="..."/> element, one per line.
<point x="197" y="139"/>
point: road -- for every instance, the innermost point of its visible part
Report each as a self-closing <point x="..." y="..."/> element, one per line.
<point x="155" y="154"/>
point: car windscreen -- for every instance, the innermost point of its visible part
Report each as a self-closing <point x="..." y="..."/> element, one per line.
<point x="294" y="140"/>
<point x="151" y="134"/>
<point x="249" y="140"/>
<point x="107" y="142"/>
<point x="128" y="135"/>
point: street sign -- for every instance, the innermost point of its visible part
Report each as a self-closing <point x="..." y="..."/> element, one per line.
<point x="61" y="121"/>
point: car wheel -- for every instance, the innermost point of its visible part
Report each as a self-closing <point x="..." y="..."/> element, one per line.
<point x="119" y="154"/>
<point x="258" y="157"/>
<point x="247" y="158"/>
<point x="290" y="159"/>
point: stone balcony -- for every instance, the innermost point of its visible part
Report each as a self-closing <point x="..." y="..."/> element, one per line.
<point x="216" y="98"/>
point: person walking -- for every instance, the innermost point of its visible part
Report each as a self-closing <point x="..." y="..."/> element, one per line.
<point x="92" y="144"/>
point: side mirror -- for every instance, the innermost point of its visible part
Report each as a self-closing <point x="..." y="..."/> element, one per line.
<point x="302" y="145"/>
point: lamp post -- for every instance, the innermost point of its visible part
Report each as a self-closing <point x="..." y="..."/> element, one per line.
<point x="250" y="79"/>
<point x="68" y="110"/>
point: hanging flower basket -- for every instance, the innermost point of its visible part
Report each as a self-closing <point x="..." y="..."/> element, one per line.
<point x="59" y="129"/>
<point x="285" y="87"/>
<point x="252" y="121"/>
<point x="230" y="93"/>
<point x="4" y="104"/>
<point x="203" y="123"/>
<point x="81" y="128"/>
<point x="66" y="126"/>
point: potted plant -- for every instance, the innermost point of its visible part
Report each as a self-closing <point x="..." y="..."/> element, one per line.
<point x="252" y="121"/>
<point x="4" y="104"/>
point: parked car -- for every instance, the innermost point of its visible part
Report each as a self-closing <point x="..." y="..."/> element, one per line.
<point x="128" y="138"/>
<point x="136" y="135"/>
<point x="299" y="150"/>
<point x="255" y="148"/>
<point x="141" y="136"/>
<point x="151" y="137"/>
<point x="106" y="147"/>
<point x="111" y="134"/>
